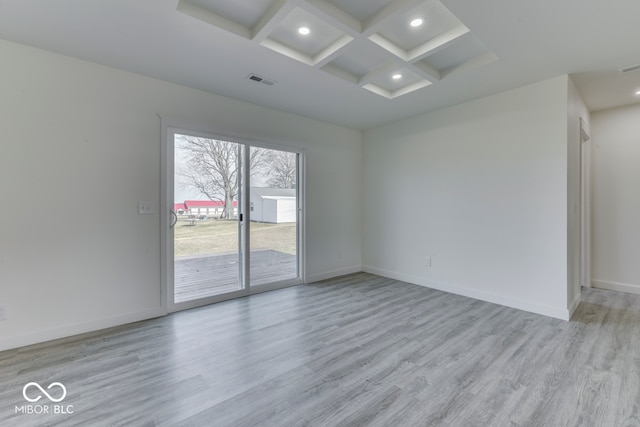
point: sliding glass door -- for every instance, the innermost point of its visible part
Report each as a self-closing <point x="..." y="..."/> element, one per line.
<point x="273" y="209"/>
<point x="234" y="222"/>
<point x="206" y="224"/>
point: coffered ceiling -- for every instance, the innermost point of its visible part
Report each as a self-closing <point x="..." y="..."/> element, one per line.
<point x="390" y="48"/>
<point x="342" y="71"/>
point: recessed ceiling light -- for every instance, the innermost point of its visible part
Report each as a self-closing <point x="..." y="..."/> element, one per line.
<point x="304" y="30"/>
<point x="638" y="92"/>
<point x="416" y="22"/>
<point x="397" y="76"/>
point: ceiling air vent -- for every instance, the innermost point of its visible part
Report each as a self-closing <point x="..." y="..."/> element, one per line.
<point x="256" y="78"/>
<point x="629" y="69"/>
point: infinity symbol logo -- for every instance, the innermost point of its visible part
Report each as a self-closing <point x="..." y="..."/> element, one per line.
<point x="64" y="392"/>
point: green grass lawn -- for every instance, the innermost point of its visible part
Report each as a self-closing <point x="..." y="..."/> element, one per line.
<point x="220" y="236"/>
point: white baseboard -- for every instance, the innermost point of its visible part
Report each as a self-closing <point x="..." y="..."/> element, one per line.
<point x="574" y="305"/>
<point x="558" y="313"/>
<point x="615" y="286"/>
<point x="331" y="274"/>
<point x="80" y="328"/>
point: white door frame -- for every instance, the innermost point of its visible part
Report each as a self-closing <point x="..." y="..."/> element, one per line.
<point x="585" y="204"/>
<point x="168" y="129"/>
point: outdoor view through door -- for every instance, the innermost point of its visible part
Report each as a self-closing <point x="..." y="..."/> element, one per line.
<point x="235" y="217"/>
<point x="273" y="212"/>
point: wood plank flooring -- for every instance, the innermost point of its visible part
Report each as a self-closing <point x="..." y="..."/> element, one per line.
<point x="353" y="351"/>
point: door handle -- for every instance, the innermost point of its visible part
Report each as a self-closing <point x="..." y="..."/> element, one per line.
<point x="174" y="220"/>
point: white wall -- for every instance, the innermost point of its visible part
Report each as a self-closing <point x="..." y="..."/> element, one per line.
<point x="76" y="134"/>
<point x="576" y="110"/>
<point x="481" y="188"/>
<point x="616" y="198"/>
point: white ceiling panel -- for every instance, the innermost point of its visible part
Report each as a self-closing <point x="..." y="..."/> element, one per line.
<point x="437" y="20"/>
<point x="387" y="82"/>
<point x="321" y="36"/>
<point x="360" y="57"/>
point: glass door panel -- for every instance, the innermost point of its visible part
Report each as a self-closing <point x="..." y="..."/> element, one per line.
<point x="273" y="211"/>
<point x="206" y="234"/>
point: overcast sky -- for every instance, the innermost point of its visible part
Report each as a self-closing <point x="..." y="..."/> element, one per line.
<point x="181" y="190"/>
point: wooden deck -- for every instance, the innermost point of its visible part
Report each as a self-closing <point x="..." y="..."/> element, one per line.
<point x="205" y="276"/>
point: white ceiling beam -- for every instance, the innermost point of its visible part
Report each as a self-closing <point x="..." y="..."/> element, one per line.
<point x="270" y="20"/>
<point x="209" y="17"/>
<point x="384" y="69"/>
<point x="426" y="71"/>
<point x="393" y="67"/>
<point x="407" y="89"/>
<point x="339" y="72"/>
<point x="287" y="51"/>
<point x="378" y="90"/>
<point x="373" y="24"/>
<point x="332" y="51"/>
<point x="387" y="68"/>
<point x="389" y="46"/>
<point x="437" y="43"/>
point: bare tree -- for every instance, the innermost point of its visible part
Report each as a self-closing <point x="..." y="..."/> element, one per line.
<point x="213" y="167"/>
<point x="282" y="169"/>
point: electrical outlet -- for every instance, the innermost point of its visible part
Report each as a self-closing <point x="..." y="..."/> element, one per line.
<point x="4" y="312"/>
<point x="428" y="261"/>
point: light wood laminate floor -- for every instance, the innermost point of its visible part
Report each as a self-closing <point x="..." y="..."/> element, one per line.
<point x="354" y="351"/>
